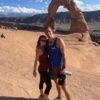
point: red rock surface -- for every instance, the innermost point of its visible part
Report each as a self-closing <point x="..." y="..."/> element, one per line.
<point x="17" y="53"/>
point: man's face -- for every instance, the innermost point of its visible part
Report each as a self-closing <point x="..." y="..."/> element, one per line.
<point x="49" y="33"/>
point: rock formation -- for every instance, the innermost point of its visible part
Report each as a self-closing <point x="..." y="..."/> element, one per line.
<point x="78" y="23"/>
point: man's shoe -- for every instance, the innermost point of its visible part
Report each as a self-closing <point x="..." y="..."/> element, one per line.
<point x="58" y="98"/>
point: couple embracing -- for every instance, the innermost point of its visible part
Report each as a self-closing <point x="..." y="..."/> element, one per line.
<point x="50" y="52"/>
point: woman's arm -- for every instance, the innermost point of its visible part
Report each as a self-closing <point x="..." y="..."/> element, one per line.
<point x="38" y="53"/>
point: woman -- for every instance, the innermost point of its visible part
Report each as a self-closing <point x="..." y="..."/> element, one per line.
<point x="42" y="57"/>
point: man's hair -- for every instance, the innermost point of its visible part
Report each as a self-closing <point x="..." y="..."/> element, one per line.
<point x="46" y="27"/>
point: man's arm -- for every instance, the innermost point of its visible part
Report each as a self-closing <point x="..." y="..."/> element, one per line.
<point x="61" y="45"/>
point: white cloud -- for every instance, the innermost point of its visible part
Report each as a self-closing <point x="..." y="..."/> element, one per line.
<point x="46" y="3"/>
<point x="8" y="9"/>
<point x="30" y="1"/>
<point x="62" y="9"/>
<point x="84" y="7"/>
<point x="42" y="7"/>
<point x="18" y="5"/>
<point x="19" y="9"/>
<point x="79" y="2"/>
<point x="89" y="7"/>
<point x="47" y="6"/>
<point x="38" y="0"/>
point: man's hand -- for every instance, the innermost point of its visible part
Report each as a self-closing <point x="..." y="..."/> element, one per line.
<point x="63" y="71"/>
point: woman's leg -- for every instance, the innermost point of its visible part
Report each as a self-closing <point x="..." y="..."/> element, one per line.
<point x="47" y="81"/>
<point x="41" y="85"/>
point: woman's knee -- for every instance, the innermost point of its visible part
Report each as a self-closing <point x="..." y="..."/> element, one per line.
<point x="48" y="88"/>
<point x="40" y="86"/>
<point x="49" y="85"/>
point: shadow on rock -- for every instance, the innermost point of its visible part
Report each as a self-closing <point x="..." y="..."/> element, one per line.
<point x="16" y="98"/>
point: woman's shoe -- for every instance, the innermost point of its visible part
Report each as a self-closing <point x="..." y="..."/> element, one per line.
<point x="41" y="97"/>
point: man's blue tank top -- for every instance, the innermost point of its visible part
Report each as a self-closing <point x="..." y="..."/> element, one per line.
<point x="55" y="55"/>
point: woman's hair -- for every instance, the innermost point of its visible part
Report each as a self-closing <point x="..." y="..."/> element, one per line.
<point x="38" y="42"/>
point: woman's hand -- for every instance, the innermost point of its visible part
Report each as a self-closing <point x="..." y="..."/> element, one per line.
<point x="34" y="73"/>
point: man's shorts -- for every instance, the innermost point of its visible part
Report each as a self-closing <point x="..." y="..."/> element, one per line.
<point x="54" y="74"/>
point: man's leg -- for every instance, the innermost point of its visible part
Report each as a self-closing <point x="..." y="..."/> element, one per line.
<point x="58" y="88"/>
<point x="66" y="91"/>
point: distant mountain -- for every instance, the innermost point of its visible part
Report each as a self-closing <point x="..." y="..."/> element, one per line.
<point x="92" y="16"/>
<point x="2" y="15"/>
<point x="15" y="15"/>
<point x="61" y="17"/>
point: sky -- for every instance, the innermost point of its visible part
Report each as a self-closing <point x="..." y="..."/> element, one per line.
<point x="41" y="6"/>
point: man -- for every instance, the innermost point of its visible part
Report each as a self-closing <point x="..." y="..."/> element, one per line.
<point x="56" y="49"/>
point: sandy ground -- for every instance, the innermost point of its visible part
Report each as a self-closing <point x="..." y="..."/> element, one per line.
<point x="17" y="52"/>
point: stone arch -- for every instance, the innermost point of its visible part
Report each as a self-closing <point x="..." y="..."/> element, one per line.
<point x="78" y="22"/>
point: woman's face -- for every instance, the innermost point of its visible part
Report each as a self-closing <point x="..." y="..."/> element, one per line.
<point x="42" y="41"/>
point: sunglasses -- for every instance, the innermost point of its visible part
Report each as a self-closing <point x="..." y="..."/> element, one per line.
<point x="43" y="40"/>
